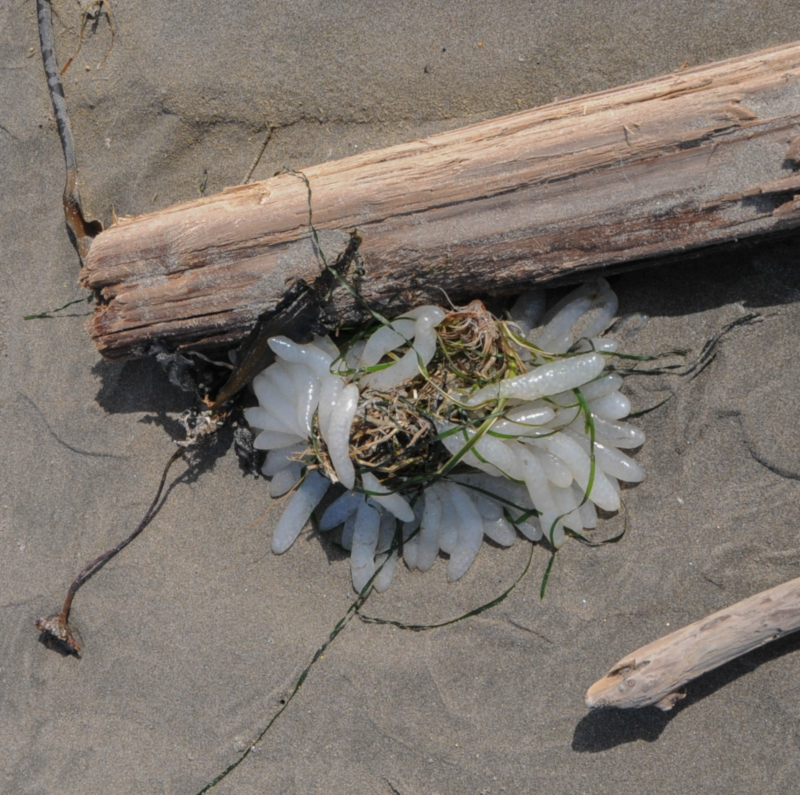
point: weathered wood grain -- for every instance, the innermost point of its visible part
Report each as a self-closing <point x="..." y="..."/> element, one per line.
<point x="685" y="161"/>
<point x="655" y="673"/>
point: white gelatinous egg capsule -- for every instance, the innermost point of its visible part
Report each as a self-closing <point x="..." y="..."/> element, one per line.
<point x="306" y="393"/>
<point x="570" y="452"/>
<point x="500" y="454"/>
<point x="337" y="435"/>
<point x="278" y="377"/>
<point x="530" y="528"/>
<point x="411" y="552"/>
<point x="605" y="306"/>
<point x="491" y="450"/>
<point x="566" y="416"/>
<point x="410" y="539"/>
<point x="431" y="314"/>
<point x="352" y="359"/>
<point x="420" y="353"/>
<point x="298" y="511"/>
<point x="259" y="418"/>
<point x="594" y="290"/>
<point x="285" y="480"/>
<point x="547" y="379"/>
<point x="556" y="337"/>
<point x="586" y="508"/>
<point x="330" y="387"/>
<point x="561" y="319"/>
<point x="524" y="421"/>
<point x="281" y="457"/>
<point x="567" y="505"/>
<point x="558" y="473"/>
<point x="600" y="387"/>
<point x="386" y="565"/>
<point x="448" y="524"/>
<point x="500" y="530"/>
<point x="391" y="502"/>
<point x="385" y="339"/>
<point x="564" y="399"/>
<point x="269" y="440"/>
<point x="487" y="508"/>
<point x="365" y="539"/>
<point x="386" y="560"/>
<point x="310" y="355"/>
<point x="279" y="406"/>
<point x="604" y="344"/>
<point x="386" y="531"/>
<point x="454" y="441"/>
<point x="410" y="527"/>
<point x="428" y="537"/>
<point x="350" y="526"/>
<point x="326" y="345"/>
<point x="611" y="407"/>
<point x="339" y="511"/>
<point x="541" y="496"/>
<point x="424" y="343"/>
<point x="495" y="525"/>
<point x="513" y="497"/>
<point x="470" y="536"/>
<point x="611" y="460"/>
<point x="616" y="434"/>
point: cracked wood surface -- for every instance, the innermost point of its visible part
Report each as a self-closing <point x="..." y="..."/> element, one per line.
<point x="692" y="159"/>
<point x="655" y="673"/>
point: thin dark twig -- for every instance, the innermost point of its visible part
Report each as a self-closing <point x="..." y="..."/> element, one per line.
<point x="93" y="12"/>
<point x="260" y="154"/>
<point x="57" y="627"/>
<point x="82" y="230"/>
<point x="352" y="610"/>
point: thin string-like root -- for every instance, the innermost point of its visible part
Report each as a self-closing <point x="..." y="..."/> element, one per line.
<point x="94" y="11"/>
<point x="395" y="431"/>
<point x="57" y="627"/>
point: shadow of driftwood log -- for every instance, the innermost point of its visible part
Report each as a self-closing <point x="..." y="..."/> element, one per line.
<point x="605" y="729"/>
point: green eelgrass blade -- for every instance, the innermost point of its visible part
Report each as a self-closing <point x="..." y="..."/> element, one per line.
<point x="474" y="612"/>
<point x="642" y="412"/>
<point x="49" y="314"/>
<point x="546" y="576"/>
<point x="352" y="610"/>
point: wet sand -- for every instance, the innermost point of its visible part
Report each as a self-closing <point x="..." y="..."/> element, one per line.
<point x="196" y="632"/>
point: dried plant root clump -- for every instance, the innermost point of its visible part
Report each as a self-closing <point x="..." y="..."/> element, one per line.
<point x="445" y="427"/>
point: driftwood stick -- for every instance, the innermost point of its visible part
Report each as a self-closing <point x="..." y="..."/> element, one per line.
<point x="82" y="230"/>
<point x="655" y="673"/>
<point x="685" y="161"/>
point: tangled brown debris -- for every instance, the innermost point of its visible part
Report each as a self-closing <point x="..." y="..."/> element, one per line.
<point x="394" y="434"/>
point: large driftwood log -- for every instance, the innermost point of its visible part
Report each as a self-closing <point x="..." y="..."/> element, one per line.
<point x="655" y="673"/>
<point x="688" y="160"/>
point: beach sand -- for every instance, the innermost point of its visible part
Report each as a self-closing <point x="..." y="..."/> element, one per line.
<point x="196" y="633"/>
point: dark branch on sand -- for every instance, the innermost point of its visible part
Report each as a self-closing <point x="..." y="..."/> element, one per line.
<point x="57" y="627"/>
<point x="83" y="231"/>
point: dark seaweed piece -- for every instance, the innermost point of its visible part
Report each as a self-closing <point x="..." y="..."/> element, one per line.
<point x="304" y="310"/>
<point x="56" y="628"/>
<point x="249" y="457"/>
